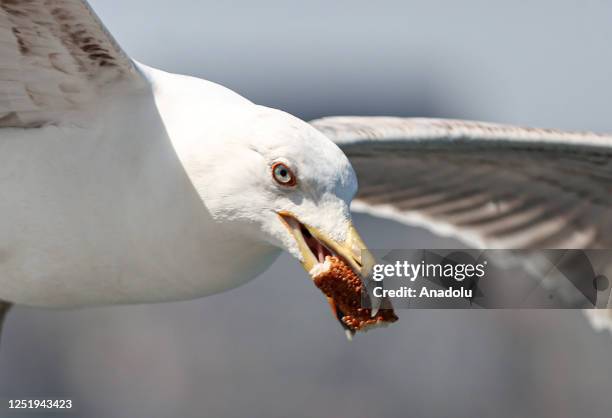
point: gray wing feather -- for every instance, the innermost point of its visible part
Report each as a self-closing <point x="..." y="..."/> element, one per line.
<point x="489" y="185"/>
<point x="55" y="56"/>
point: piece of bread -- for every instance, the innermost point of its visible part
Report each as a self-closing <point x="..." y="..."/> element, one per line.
<point x="346" y="294"/>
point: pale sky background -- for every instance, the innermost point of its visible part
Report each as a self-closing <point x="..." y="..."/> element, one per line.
<point x="271" y="348"/>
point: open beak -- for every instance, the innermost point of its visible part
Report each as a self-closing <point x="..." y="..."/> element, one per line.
<point x="314" y="246"/>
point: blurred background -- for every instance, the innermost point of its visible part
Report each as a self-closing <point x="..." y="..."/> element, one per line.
<point x="271" y="348"/>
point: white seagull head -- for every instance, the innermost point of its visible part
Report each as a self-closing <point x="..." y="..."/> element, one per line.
<point x="282" y="182"/>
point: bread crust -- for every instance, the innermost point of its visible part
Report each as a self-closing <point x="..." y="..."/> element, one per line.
<point x="345" y="292"/>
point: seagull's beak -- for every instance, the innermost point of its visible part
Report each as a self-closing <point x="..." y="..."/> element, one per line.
<point x="314" y="246"/>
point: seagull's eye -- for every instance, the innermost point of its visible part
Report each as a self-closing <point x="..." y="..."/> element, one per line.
<point x="283" y="175"/>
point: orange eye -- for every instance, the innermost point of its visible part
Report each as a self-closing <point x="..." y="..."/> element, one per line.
<point x="283" y="175"/>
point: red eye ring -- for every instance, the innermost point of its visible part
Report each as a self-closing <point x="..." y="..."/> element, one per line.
<point x="283" y="175"/>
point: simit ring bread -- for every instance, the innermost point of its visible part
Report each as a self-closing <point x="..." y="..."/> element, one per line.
<point x="344" y="290"/>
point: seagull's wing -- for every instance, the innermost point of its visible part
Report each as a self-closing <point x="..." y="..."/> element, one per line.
<point x="487" y="185"/>
<point x="55" y="57"/>
<point x="491" y="186"/>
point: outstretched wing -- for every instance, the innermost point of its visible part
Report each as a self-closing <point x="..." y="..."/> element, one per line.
<point x="488" y="185"/>
<point x="491" y="186"/>
<point x="55" y="57"/>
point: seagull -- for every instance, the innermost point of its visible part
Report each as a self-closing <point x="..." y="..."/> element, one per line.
<point x="126" y="184"/>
